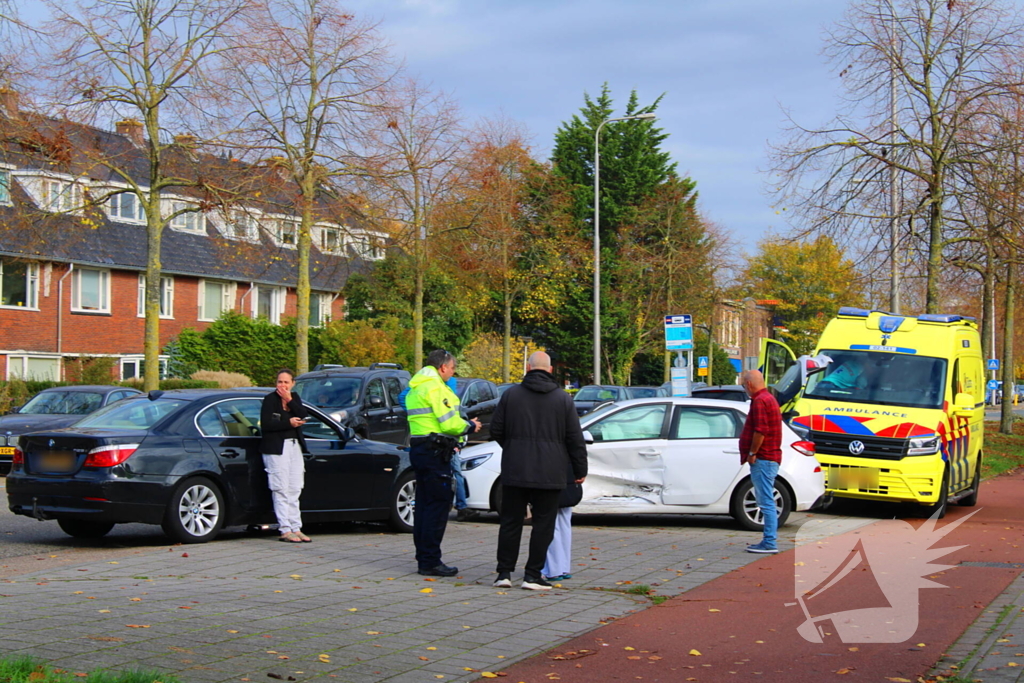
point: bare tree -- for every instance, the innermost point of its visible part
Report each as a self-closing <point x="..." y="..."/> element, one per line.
<point x="941" y="60"/>
<point x="142" y="60"/>
<point x="411" y="168"/>
<point x="303" y="78"/>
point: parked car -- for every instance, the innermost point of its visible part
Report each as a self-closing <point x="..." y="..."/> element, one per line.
<point x="54" y="408"/>
<point x="647" y="392"/>
<point x="363" y="398"/>
<point x="667" y="455"/>
<point x="189" y="461"/>
<point x="593" y="395"/>
<point x="724" y="392"/>
<point x="478" y="398"/>
<point x="505" y="386"/>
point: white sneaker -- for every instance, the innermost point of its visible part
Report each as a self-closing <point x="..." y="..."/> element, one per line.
<point x="537" y="584"/>
<point x="504" y="580"/>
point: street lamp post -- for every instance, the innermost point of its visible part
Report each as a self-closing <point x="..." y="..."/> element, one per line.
<point x="597" y="236"/>
<point x="526" y="347"/>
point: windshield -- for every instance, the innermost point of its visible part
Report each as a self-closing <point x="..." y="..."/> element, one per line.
<point x="329" y="392"/>
<point x="880" y="378"/>
<point x="642" y="392"/>
<point x="595" y="415"/>
<point x="137" y="413"/>
<point x="596" y="394"/>
<point x="63" y="403"/>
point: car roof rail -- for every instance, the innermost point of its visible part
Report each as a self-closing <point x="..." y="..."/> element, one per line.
<point x="327" y="366"/>
<point x="389" y="366"/>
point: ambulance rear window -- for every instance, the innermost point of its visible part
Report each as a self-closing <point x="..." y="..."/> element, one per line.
<point x="880" y="378"/>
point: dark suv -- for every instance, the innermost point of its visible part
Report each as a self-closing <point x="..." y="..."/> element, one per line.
<point x="365" y="399"/>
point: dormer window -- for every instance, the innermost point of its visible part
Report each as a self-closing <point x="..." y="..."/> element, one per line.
<point x="61" y="195"/>
<point x="191" y="221"/>
<point x="243" y="225"/>
<point x="330" y="239"/>
<point x="287" y="232"/>
<point x="5" y="186"/>
<point x="126" y="206"/>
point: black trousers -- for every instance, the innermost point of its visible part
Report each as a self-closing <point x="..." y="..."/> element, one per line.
<point x="433" y="502"/>
<point x="544" y="503"/>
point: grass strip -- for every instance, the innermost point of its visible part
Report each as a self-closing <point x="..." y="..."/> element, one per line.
<point x="21" y="669"/>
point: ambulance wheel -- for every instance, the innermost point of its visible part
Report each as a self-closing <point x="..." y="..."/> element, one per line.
<point x="971" y="499"/>
<point x="938" y="510"/>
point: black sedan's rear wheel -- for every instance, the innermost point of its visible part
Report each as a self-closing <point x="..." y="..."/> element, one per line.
<point x="403" y="503"/>
<point x="196" y="511"/>
<point x="84" y="528"/>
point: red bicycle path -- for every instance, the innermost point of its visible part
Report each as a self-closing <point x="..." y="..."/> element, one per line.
<point x="741" y="627"/>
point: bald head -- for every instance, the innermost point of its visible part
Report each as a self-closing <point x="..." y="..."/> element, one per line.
<point x="539" y="361"/>
<point x="752" y="381"/>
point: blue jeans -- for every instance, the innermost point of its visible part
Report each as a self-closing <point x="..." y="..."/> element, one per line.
<point x="460" y="483"/>
<point x="762" y="476"/>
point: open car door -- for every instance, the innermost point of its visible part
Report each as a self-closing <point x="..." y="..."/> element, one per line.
<point x="781" y="372"/>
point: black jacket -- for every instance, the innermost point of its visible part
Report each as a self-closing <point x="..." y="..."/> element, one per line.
<point x="540" y="436"/>
<point x="275" y="423"/>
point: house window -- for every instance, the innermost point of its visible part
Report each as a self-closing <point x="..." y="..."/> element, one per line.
<point x="166" y="296"/>
<point x="90" y="290"/>
<point x="5" y="186"/>
<point x="268" y="302"/>
<point x="61" y="195"/>
<point x="243" y="225"/>
<point x="19" y="284"/>
<point x="319" y="309"/>
<point x="193" y="221"/>
<point x="33" y="368"/>
<point x="126" y="206"/>
<point x="215" y="298"/>
<point x="330" y="239"/>
<point x="368" y="248"/>
<point x="135" y="366"/>
<point x="286" y="232"/>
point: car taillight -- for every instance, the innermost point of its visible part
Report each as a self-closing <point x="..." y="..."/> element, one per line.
<point x="804" y="447"/>
<point x="108" y="456"/>
<point x="817" y="469"/>
<point x="19" y="457"/>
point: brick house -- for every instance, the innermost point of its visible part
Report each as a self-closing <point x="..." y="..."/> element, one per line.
<point x="72" y="266"/>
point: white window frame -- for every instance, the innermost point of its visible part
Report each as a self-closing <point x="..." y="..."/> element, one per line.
<point x="58" y="195"/>
<point x="247" y="220"/>
<point x="136" y="363"/>
<point x="190" y="221"/>
<point x="279" y="232"/>
<point x="227" y="298"/>
<point x="6" y="178"/>
<point x="166" y="297"/>
<point x="104" y="293"/>
<point x="367" y="246"/>
<point x="277" y="300"/>
<point x="115" y="207"/>
<point x="325" y="308"/>
<point x="322" y="242"/>
<point x="31" y="287"/>
<point x="22" y="360"/>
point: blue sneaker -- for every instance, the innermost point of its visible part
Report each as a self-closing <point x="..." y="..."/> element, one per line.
<point x="560" y="577"/>
<point x="762" y="549"/>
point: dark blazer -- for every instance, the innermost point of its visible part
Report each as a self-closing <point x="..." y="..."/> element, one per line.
<point x="540" y="435"/>
<point x="275" y="425"/>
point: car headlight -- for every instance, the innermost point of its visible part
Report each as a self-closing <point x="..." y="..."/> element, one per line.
<point x="339" y="416"/>
<point x="925" y="445"/>
<point x="801" y="431"/>
<point x="474" y="461"/>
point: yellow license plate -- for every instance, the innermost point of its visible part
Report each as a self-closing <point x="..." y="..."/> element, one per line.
<point x="853" y="478"/>
<point x="6" y="450"/>
<point x="57" y="461"/>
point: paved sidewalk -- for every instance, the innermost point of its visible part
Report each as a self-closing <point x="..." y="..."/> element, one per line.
<point x="349" y="606"/>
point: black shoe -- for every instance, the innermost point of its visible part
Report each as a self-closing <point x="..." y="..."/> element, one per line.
<point x="535" y="584"/>
<point x="440" y="570"/>
<point x="465" y="514"/>
<point x="504" y="580"/>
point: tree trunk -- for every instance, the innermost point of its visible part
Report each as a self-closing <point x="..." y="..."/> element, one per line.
<point x="932" y="297"/>
<point x="988" y="323"/>
<point x="1006" y="416"/>
<point x="417" y="306"/>
<point x="302" y="285"/>
<point x="151" y="338"/>
<point x="506" y="342"/>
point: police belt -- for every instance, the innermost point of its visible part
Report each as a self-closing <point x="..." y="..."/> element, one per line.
<point x="438" y="441"/>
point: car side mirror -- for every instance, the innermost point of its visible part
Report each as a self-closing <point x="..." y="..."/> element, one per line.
<point x="963" y="405"/>
<point x="347" y="433"/>
<point x="470" y="402"/>
<point x="376" y="402"/>
<point x="588" y="438"/>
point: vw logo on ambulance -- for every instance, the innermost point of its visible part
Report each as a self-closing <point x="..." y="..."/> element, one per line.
<point x="856" y="447"/>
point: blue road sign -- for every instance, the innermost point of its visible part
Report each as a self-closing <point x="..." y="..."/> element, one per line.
<point x="678" y="333"/>
<point x="702" y="361"/>
<point x="992" y="384"/>
<point x="992" y="364"/>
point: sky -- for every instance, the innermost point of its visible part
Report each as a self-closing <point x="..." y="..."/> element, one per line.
<point x="729" y="70"/>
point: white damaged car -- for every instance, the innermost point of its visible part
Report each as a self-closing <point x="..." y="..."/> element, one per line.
<point x="667" y="455"/>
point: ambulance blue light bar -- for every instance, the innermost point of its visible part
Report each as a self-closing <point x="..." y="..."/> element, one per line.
<point x="940" y="318"/>
<point x="854" y="312"/>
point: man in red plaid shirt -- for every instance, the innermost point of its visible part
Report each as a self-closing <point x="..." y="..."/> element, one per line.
<point x="761" y="448"/>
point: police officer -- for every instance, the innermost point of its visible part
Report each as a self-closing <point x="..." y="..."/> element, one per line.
<point x="435" y="426"/>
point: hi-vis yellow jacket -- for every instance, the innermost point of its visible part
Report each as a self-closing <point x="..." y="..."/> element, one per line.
<point x="433" y="408"/>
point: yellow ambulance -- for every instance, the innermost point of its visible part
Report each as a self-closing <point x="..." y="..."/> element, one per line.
<point x="894" y="405"/>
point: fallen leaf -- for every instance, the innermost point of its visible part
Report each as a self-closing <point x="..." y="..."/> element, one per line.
<point x="279" y="591"/>
<point x="714" y="610"/>
<point x="104" y="611"/>
<point x="137" y="625"/>
<point x="184" y="554"/>
<point x="295" y="576"/>
<point x="426" y="590"/>
<point x="921" y="645"/>
<point x="78" y="593"/>
<point x="488" y="674"/>
<point x="1012" y="664"/>
<point x="900" y="680"/>
<point x="113" y="563"/>
<point x="694" y="653"/>
<point x="135" y="599"/>
<point x="845" y="670"/>
<point x="424" y="659"/>
<point x="654" y="657"/>
<point x="431" y="648"/>
<point x="853" y="649"/>
<point x="439" y="676"/>
<point x="759" y="641"/>
<point x="232" y="631"/>
<point x="325" y="658"/>
<point x="184" y="607"/>
<point x="337" y="570"/>
<point x="629" y="648"/>
<point x="283" y="657"/>
<point x="373" y="633"/>
<point x="353" y="609"/>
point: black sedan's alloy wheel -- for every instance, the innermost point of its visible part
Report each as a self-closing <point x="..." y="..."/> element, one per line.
<point x="196" y="511"/>
<point x="403" y="503"/>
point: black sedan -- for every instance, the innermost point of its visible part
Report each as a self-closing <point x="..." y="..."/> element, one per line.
<point x="593" y="395"/>
<point x="52" y="409"/>
<point x="189" y="460"/>
<point x="478" y="398"/>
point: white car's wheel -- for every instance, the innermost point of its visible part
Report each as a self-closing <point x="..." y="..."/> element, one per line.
<point x="745" y="510"/>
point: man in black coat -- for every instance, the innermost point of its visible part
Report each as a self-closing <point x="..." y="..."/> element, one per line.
<point x="540" y="436"/>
